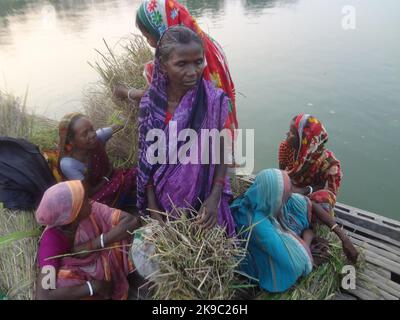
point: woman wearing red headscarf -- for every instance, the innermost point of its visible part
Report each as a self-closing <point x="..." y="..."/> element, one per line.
<point x="313" y="169"/>
<point x="153" y="18"/>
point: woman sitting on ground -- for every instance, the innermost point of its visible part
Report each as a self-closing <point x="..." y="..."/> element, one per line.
<point x="82" y="156"/>
<point x="76" y="224"/>
<point x="313" y="169"/>
<point x="180" y="94"/>
<point x="153" y="18"/>
<point x="281" y="244"/>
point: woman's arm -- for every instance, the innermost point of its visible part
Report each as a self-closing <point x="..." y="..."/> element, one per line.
<point x="308" y="236"/>
<point x="127" y="224"/>
<point x="208" y="213"/>
<point x="325" y="218"/>
<point x="92" y="190"/>
<point x="152" y="203"/>
<point x="101" y="289"/>
<point x="123" y="92"/>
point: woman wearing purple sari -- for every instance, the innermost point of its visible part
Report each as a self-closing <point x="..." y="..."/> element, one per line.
<point x="180" y="98"/>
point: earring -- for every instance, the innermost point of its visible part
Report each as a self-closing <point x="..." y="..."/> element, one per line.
<point x="68" y="147"/>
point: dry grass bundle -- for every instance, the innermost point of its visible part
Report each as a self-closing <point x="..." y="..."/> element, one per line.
<point x="19" y="235"/>
<point x="193" y="263"/>
<point x="103" y="108"/>
<point x="16" y="122"/>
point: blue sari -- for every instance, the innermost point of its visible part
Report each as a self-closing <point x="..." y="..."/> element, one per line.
<point x="274" y="220"/>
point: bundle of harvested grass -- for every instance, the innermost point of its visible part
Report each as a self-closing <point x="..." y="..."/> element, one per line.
<point x="103" y="108"/>
<point x="193" y="263"/>
<point x="19" y="235"/>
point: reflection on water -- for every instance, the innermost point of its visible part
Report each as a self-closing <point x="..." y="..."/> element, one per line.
<point x="199" y="8"/>
<point x="72" y="11"/>
<point x="254" y="6"/>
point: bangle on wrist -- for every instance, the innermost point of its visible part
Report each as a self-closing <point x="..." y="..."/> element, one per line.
<point x="129" y="95"/>
<point x="334" y="227"/>
<point x="106" y="179"/>
<point x="102" y="241"/>
<point x="90" y="288"/>
<point x="311" y="190"/>
<point x="220" y="182"/>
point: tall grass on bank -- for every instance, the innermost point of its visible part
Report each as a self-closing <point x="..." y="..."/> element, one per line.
<point x="19" y="235"/>
<point x="17" y="122"/>
<point x="121" y="65"/>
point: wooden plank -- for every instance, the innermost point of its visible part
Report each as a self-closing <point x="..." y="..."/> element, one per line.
<point x="392" y="249"/>
<point x="369" y="215"/>
<point x="386" y="274"/>
<point x="369" y="224"/>
<point x="390" y="287"/>
<point x="354" y="227"/>
<point x="343" y="296"/>
<point x="380" y="294"/>
<point x="382" y="262"/>
<point x="364" y="294"/>
<point x="383" y="253"/>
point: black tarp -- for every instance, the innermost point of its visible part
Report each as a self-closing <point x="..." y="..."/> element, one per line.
<point x="24" y="174"/>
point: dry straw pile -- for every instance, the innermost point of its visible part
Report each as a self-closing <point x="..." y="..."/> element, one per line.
<point x="126" y="68"/>
<point x="193" y="263"/>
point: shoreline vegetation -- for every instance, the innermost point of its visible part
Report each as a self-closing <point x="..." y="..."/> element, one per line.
<point x="19" y="232"/>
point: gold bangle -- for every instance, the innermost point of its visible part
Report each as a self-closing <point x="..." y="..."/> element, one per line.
<point x="334" y="226"/>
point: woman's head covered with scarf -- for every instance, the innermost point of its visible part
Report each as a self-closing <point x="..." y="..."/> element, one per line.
<point x="66" y="133"/>
<point x="154" y="17"/>
<point x="62" y="204"/>
<point x="311" y="138"/>
<point x="308" y="161"/>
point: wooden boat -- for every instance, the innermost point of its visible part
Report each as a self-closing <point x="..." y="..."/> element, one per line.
<point x="378" y="238"/>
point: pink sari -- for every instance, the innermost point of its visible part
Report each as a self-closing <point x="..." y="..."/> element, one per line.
<point x="60" y="206"/>
<point x="110" y="265"/>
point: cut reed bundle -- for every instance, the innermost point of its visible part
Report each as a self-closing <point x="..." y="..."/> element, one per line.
<point x="126" y="68"/>
<point x="193" y="263"/>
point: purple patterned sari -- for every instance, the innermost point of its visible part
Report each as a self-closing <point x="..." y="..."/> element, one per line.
<point x="182" y="185"/>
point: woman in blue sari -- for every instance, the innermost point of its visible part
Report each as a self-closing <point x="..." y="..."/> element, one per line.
<point x="278" y="223"/>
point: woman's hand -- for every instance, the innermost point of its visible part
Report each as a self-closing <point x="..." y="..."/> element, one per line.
<point x="319" y="249"/>
<point x="102" y="288"/>
<point x="110" y="172"/>
<point x="350" y="251"/>
<point x="83" y="247"/>
<point x="120" y="91"/>
<point x="156" y="215"/>
<point x="208" y="213"/>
